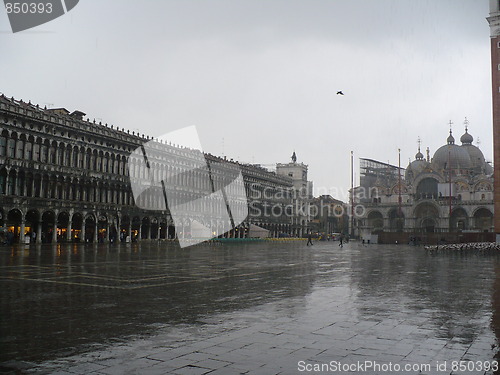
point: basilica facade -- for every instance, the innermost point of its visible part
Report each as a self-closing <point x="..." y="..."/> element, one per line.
<point x="65" y="178"/>
<point x="450" y="192"/>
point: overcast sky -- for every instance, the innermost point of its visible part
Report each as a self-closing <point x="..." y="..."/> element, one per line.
<point x="259" y="78"/>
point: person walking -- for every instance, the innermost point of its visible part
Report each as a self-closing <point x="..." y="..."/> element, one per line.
<point x="309" y="239"/>
<point x="341" y="240"/>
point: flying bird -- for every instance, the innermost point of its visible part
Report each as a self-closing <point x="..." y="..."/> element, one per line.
<point x="340" y="93"/>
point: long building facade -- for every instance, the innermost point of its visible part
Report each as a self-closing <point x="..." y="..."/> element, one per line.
<point x="64" y="178"/>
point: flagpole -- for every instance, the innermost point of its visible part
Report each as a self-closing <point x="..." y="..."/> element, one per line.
<point x="399" y="182"/>
<point x="352" y="194"/>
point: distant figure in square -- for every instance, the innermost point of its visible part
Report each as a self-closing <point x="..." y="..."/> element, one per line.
<point x="341" y="240"/>
<point x="309" y="239"/>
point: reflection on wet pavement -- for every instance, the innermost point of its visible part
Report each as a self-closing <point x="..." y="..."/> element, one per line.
<point x="246" y="308"/>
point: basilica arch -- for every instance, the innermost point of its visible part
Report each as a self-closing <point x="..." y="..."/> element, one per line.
<point x="427" y="188"/>
<point x="375" y="221"/>
<point x="459" y="220"/>
<point x="396" y="220"/>
<point x="427" y="217"/>
<point x="483" y="219"/>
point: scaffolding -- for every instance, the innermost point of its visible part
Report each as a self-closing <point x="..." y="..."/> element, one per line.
<point x="373" y="172"/>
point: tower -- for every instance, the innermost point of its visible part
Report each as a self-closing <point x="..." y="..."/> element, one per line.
<point x="494" y="21"/>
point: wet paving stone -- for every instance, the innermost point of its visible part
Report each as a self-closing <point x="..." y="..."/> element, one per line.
<point x="259" y="308"/>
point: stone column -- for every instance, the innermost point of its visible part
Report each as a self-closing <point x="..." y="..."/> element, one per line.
<point x="21" y="232"/>
<point x="82" y="231"/>
<point x="42" y="188"/>
<point x="68" y="231"/>
<point x="54" y="233"/>
<point x="139" y="235"/>
<point x="96" y="233"/>
<point x="106" y="239"/>
<point x="158" y="231"/>
<point x="39" y="233"/>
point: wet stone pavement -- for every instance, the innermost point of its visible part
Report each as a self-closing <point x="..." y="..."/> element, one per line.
<point x="252" y="308"/>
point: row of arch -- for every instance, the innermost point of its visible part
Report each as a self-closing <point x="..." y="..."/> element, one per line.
<point x="27" y="183"/>
<point x="50" y="226"/>
<point x="37" y="149"/>
<point x="426" y="218"/>
<point x="427" y="187"/>
<point x="45" y="185"/>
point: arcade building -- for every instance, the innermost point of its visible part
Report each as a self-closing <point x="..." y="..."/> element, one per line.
<point x="64" y="178"/>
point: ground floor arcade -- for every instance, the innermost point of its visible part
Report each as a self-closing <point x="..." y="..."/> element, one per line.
<point x="33" y="225"/>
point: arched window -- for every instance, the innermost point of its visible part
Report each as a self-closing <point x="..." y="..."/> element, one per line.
<point x="52" y="155"/>
<point x="38" y="186"/>
<point x="68" y="190"/>
<point x="75" y="157"/>
<point x="36" y="152"/>
<point x="20" y="149"/>
<point x="87" y="160"/>
<point x="427" y="189"/>
<point x="11" y="148"/>
<point x="29" y="185"/>
<point x="10" y="183"/>
<point x="60" y="156"/>
<point x="67" y="157"/>
<point x="59" y="191"/>
<point x="28" y="151"/>
<point x="3" y="146"/>
<point x="3" y="178"/>
<point x="81" y="158"/>
<point x="20" y="184"/>
<point x="43" y="153"/>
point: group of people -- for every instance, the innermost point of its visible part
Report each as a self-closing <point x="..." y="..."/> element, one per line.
<point x="6" y="237"/>
<point x="341" y="239"/>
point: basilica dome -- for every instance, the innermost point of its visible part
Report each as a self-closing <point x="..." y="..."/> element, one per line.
<point x="451" y="156"/>
<point x="417" y="166"/>
<point x="466" y="138"/>
<point x="476" y="155"/>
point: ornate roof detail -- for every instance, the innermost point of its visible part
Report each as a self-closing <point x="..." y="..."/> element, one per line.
<point x="466" y="139"/>
<point x="450" y="139"/>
